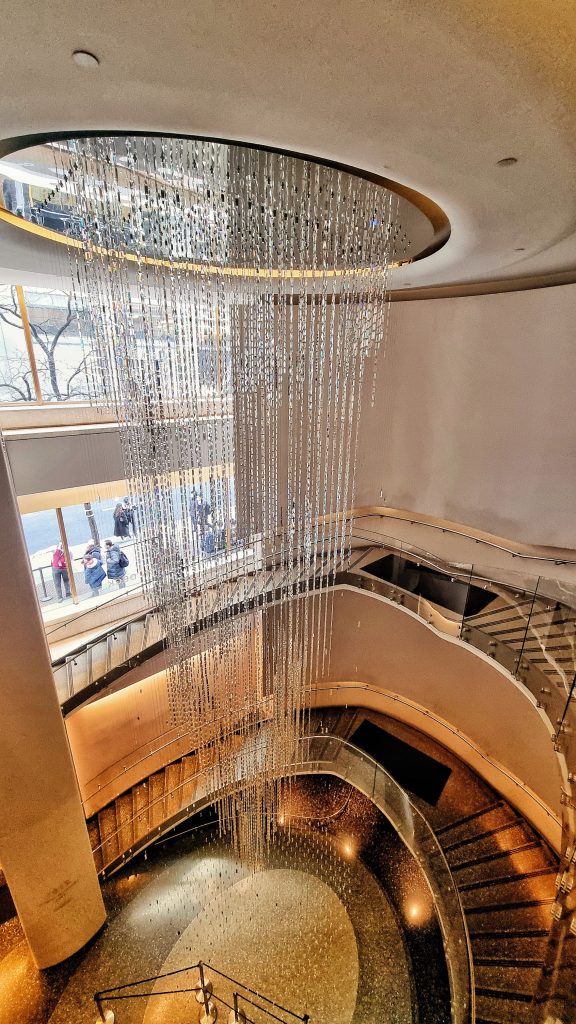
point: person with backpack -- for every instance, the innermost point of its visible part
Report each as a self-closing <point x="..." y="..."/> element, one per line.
<point x="116" y="563"/>
<point x="94" y="574"/>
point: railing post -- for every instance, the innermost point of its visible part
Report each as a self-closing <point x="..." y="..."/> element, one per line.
<point x="44" y="596"/>
<point x="204" y="990"/>
<point x="235" y="998"/>
<point x="67" y="555"/>
<point x="98" y="1002"/>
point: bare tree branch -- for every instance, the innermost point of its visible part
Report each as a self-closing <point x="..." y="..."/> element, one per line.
<point x="77" y="371"/>
<point x="46" y="341"/>
<point x="13" y="387"/>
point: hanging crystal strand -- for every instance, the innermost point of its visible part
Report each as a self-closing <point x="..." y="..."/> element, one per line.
<point x="236" y="298"/>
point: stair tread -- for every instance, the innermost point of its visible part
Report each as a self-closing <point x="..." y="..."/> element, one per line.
<point x="479" y="837"/>
<point x="510" y="879"/>
<point x="469" y="817"/>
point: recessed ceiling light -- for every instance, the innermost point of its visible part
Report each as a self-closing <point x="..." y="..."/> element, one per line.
<point x="507" y="161"/>
<point x="84" y="59"/>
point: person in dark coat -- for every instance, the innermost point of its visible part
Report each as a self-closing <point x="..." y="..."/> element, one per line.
<point x="130" y="513"/>
<point x="208" y="541"/>
<point x="115" y="570"/>
<point x="94" y="574"/>
<point x="121" y="522"/>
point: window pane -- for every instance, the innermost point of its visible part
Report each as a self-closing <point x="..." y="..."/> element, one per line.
<point x="16" y="384"/>
<point x="42" y="538"/>
<point x="60" y="347"/>
<point x="94" y="523"/>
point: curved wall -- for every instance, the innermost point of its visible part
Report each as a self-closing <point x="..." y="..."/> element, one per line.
<point x="382" y="657"/>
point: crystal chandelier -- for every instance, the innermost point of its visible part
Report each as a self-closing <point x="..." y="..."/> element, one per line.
<point x="237" y="299"/>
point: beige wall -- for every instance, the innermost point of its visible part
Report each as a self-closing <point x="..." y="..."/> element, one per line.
<point x="478" y="423"/>
<point x="374" y="641"/>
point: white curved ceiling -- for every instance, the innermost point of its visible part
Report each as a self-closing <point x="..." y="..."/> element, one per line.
<point x="431" y="94"/>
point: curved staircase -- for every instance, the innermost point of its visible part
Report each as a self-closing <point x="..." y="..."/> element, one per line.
<point x="504" y="871"/>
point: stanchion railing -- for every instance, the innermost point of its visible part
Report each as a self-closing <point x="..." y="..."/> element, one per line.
<point x="203" y="989"/>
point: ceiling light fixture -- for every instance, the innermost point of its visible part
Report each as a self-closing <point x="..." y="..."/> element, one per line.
<point x="85" y="59"/>
<point x="507" y="161"/>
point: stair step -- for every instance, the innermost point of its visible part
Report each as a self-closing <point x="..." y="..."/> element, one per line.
<point x="61" y="682"/>
<point x="490" y="846"/>
<point x="99" y="659"/>
<point x="174" y="801"/>
<point x="509" y="948"/>
<point x="125" y="823"/>
<point x="118" y="648"/>
<point x="510" y="879"/>
<point x="79" y="669"/>
<point x="511" y="893"/>
<point x="469" y="817"/>
<point x="136" y="637"/>
<point x="140" y="809"/>
<point x="527" y="857"/>
<point x="485" y="834"/>
<point x="517" y="983"/>
<point x="156" y="789"/>
<point x="509" y="933"/>
<point x="530" y="963"/>
<point x="520" y="905"/>
<point x="108" y="834"/>
<point x="153" y="630"/>
<point x="496" y="1007"/>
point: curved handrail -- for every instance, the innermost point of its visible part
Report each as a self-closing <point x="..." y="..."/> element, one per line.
<point x="87" y="611"/>
<point x="337" y="756"/>
<point x="363" y="772"/>
<point x="414" y="521"/>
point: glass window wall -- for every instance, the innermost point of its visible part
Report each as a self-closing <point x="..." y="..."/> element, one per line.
<point x="16" y="375"/>
<point x="69" y="556"/>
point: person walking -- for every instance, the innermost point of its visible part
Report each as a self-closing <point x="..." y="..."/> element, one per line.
<point x="130" y="514"/>
<point x="121" y="522"/>
<point x="208" y="541"/>
<point x="60" y="573"/>
<point x="116" y="562"/>
<point x="195" y="508"/>
<point x="94" y="574"/>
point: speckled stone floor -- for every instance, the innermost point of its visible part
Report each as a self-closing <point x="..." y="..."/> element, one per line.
<point x="315" y="931"/>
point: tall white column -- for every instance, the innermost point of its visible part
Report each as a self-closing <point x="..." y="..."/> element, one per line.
<point x="44" y="848"/>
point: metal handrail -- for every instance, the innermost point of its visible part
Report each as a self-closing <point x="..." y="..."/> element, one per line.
<point x="203" y="986"/>
<point x="374" y="540"/>
<point x="467" y="536"/>
<point x="87" y="611"/>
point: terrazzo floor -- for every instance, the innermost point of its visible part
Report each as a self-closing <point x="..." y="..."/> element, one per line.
<point x="314" y="931"/>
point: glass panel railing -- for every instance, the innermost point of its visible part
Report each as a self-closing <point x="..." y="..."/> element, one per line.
<point x="336" y="756"/>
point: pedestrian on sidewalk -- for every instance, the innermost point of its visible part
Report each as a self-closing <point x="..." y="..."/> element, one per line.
<point x="60" y="573"/>
<point x="116" y="562"/>
<point x="94" y="574"/>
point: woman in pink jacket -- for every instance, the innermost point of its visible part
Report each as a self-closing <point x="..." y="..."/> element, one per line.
<point x="60" y="573"/>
